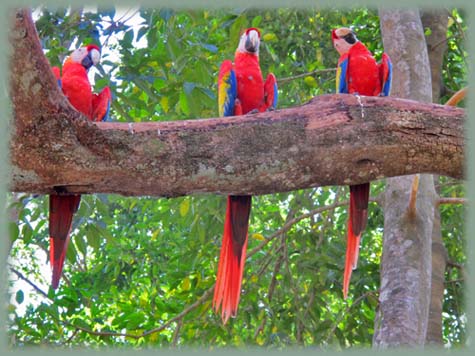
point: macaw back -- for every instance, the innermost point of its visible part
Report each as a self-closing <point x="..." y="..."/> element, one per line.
<point x="77" y="88"/>
<point x="363" y="72"/>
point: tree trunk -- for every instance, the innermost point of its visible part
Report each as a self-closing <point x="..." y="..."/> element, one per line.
<point x="436" y="21"/>
<point x="406" y="261"/>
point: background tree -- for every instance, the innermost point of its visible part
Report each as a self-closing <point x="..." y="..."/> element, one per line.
<point x="434" y="21"/>
<point x="406" y="262"/>
<point x="139" y="271"/>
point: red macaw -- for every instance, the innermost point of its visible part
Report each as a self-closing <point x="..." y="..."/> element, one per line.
<point x="358" y="73"/>
<point x="76" y="87"/>
<point x="241" y="90"/>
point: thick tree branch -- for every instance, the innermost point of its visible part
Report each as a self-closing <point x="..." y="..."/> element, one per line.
<point x="332" y="140"/>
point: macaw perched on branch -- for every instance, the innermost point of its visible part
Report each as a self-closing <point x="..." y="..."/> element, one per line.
<point x="76" y="87"/>
<point x="359" y="74"/>
<point x="241" y="90"/>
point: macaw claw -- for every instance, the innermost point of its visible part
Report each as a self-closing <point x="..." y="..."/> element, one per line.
<point x="253" y="111"/>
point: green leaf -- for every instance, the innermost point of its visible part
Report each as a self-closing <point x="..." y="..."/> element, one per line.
<point x="185" y="207"/>
<point x="134" y="320"/>
<point x="81" y="243"/>
<point x="256" y="21"/>
<point x="13" y="230"/>
<point x="184" y="104"/>
<point x="19" y="296"/>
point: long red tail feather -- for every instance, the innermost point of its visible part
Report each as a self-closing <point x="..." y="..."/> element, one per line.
<point x="359" y="197"/>
<point x="352" y="251"/>
<point x="358" y="215"/>
<point x="61" y="211"/>
<point x="232" y="257"/>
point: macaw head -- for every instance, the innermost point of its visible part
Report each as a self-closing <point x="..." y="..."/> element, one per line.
<point x="343" y="39"/>
<point x="86" y="56"/>
<point x="250" y="41"/>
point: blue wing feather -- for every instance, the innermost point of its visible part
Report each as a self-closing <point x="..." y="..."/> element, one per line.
<point x="341" y="79"/>
<point x="276" y="95"/>
<point x="106" y="116"/>
<point x="227" y="89"/>
<point x="387" y="81"/>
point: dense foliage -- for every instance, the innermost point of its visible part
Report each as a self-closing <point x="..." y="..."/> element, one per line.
<point x="147" y="265"/>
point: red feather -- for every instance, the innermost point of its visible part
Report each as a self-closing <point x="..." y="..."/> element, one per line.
<point x="100" y="104"/>
<point x="250" y="85"/>
<point x="363" y="72"/>
<point x="61" y="211"/>
<point x="56" y="72"/>
<point x="76" y="87"/>
<point x="358" y="215"/>
<point x="232" y="257"/>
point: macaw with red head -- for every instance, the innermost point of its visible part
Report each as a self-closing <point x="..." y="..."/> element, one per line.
<point x="241" y="90"/>
<point x="359" y="74"/>
<point x="76" y="87"/>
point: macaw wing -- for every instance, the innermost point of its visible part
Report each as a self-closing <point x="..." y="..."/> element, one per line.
<point x="270" y="91"/>
<point x="101" y="104"/>
<point x="385" y="74"/>
<point x="342" y="75"/>
<point x="57" y="74"/>
<point x="227" y="89"/>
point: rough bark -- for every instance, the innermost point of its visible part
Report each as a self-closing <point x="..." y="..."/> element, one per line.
<point x="406" y="261"/>
<point x="439" y="264"/>
<point x="436" y="21"/>
<point x="332" y="140"/>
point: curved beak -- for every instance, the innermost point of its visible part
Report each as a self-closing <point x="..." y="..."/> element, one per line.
<point x="93" y="57"/>
<point x="87" y="62"/>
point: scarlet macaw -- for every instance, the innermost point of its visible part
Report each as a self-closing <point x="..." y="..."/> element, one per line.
<point x="76" y="87"/>
<point x="241" y="90"/>
<point x="358" y="73"/>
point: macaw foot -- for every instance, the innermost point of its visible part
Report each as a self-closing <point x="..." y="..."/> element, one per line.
<point x="270" y="108"/>
<point x="253" y="111"/>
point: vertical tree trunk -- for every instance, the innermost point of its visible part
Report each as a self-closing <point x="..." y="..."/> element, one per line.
<point x="406" y="261"/>
<point x="436" y="21"/>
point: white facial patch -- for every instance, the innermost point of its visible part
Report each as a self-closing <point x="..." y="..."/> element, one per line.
<point x="78" y="55"/>
<point x="342" y="31"/>
<point x="242" y="42"/>
<point x="341" y="46"/>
